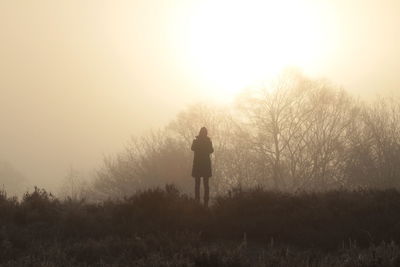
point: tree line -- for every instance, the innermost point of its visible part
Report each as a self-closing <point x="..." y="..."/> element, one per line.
<point x="293" y="134"/>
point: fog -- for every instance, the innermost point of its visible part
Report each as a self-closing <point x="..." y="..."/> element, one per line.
<point x="78" y="78"/>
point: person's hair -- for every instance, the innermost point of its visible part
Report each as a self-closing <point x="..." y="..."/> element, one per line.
<point x="203" y="131"/>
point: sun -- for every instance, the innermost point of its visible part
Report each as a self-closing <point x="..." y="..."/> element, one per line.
<point x="234" y="44"/>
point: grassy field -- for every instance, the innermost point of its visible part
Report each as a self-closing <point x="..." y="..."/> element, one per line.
<point x="162" y="227"/>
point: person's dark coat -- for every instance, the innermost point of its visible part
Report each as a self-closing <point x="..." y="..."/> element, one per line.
<point x="202" y="147"/>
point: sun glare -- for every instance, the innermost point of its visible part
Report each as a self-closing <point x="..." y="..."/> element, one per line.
<point x="234" y="44"/>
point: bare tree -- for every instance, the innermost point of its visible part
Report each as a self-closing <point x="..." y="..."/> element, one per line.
<point x="375" y="146"/>
<point x="294" y="133"/>
<point x="326" y="141"/>
<point x="11" y="180"/>
<point x="298" y="127"/>
<point x="151" y="160"/>
<point x="74" y="186"/>
<point x="275" y="118"/>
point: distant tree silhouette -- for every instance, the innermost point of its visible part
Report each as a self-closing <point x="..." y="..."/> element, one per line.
<point x="292" y="134"/>
<point x="299" y="130"/>
<point x="374" y="150"/>
<point x="74" y="186"/>
<point x="11" y="180"/>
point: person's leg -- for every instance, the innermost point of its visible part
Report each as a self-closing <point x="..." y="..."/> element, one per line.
<point x="197" y="189"/>
<point x="206" y="191"/>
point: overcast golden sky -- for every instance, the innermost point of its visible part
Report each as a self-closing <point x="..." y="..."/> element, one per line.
<point x="78" y="77"/>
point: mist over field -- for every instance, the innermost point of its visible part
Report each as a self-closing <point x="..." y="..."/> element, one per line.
<point x="78" y="80"/>
<point x="200" y="133"/>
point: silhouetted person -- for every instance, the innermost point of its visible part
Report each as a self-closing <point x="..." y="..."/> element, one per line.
<point x="202" y="147"/>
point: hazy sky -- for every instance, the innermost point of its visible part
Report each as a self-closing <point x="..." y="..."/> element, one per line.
<point x="78" y="77"/>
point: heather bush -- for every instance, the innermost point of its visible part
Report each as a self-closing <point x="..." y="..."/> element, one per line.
<point x="163" y="227"/>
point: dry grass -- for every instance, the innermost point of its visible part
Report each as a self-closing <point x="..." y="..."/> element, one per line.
<point x="162" y="227"/>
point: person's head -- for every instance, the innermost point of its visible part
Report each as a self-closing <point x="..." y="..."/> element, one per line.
<point x="203" y="132"/>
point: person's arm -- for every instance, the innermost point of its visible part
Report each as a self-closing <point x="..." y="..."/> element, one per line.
<point x="194" y="145"/>
<point x="211" y="147"/>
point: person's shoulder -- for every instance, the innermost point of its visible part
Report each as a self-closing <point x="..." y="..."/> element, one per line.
<point x="208" y="139"/>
